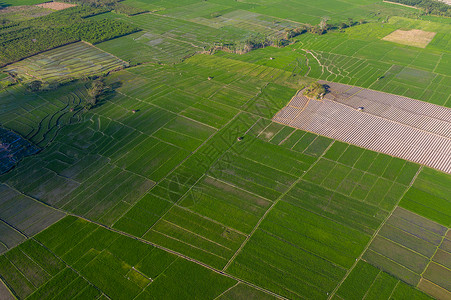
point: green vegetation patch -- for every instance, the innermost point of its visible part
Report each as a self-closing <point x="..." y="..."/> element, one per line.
<point x="429" y="196"/>
<point x="65" y="63"/>
<point x="89" y="260"/>
<point x="405" y="247"/>
<point x="368" y="282"/>
<point x="23" y="39"/>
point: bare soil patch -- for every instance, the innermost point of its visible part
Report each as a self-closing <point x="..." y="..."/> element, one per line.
<point x="414" y="37"/>
<point x="56" y="5"/>
<point x="22" y="12"/>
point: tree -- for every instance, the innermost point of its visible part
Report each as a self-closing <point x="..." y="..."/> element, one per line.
<point x="342" y="25"/>
<point x="35" y="85"/>
<point x="96" y="89"/>
<point x="323" y="23"/>
<point x="315" y="91"/>
<point x="317" y="30"/>
<point x="289" y="33"/>
<point x="350" y="22"/>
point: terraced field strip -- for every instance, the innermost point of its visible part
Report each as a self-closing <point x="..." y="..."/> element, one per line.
<point x="73" y="60"/>
<point x="398" y="126"/>
<point x="414" y="249"/>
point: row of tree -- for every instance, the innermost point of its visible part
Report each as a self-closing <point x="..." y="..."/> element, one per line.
<point x="433" y="7"/>
<point x="257" y="41"/>
<point x="323" y="27"/>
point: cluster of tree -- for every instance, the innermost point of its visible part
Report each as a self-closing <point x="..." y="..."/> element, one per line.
<point x="433" y="7"/>
<point x="96" y="90"/>
<point x="257" y="41"/>
<point x="321" y="28"/>
<point x="254" y="41"/>
<point x="30" y="37"/>
<point x="4" y="23"/>
<point x="99" y="31"/>
<point x="315" y="91"/>
<point x="324" y="26"/>
<point x="126" y="9"/>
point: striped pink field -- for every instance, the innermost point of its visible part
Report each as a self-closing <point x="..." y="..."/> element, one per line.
<point x="407" y="128"/>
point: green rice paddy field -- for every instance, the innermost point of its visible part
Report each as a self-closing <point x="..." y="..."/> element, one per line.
<point x="178" y="185"/>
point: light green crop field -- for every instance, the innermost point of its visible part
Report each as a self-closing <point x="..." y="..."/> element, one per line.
<point x="70" y="61"/>
<point x="177" y="184"/>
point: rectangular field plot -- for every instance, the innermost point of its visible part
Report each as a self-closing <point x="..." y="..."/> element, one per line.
<point x="429" y="196"/>
<point x="368" y="282"/>
<point x="261" y="168"/>
<point x="375" y="178"/>
<point x="226" y="204"/>
<point x="195" y="236"/>
<point x="298" y="253"/>
<point x="74" y="60"/>
<point x="22" y="217"/>
<point x="394" y="125"/>
<point x="346" y="211"/>
<point x="413" y="37"/>
<point x="77" y="259"/>
<point x="413" y="249"/>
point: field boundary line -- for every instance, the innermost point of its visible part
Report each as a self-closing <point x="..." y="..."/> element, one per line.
<point x="269" y="210"/>
<point x="209" y="219"/>
<point x="120" y="59"/>
<point x="287" y="137"/>
<point x="35" y="199"/>
<point x="21" y="273"/>
<point x="438" y="62"/>
<point x="15" y="229"/>
<point x="66" y="266"/>
<point x="176" y="167"/>
<point x="239" y="188"/>
<point x="190" y="245"/>
<point x="394" y="289"/>
<point x="435" y="252"/>
<point x="8" y="289"/>
<point x="372" y="283"/>
<point x="374" y="236"/>
<point x="195" y="234"/>
<point x="226" y="290"/>
<point x="412" y="250"/>
<point x="177" y="254"/>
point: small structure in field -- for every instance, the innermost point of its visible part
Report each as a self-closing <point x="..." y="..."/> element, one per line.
<point x="239" y="139"/>
<point x="360" y="108"/>
<point x="134" y="111"/>
<point x="210" y="78"/>
<point x="271" y="58"/>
